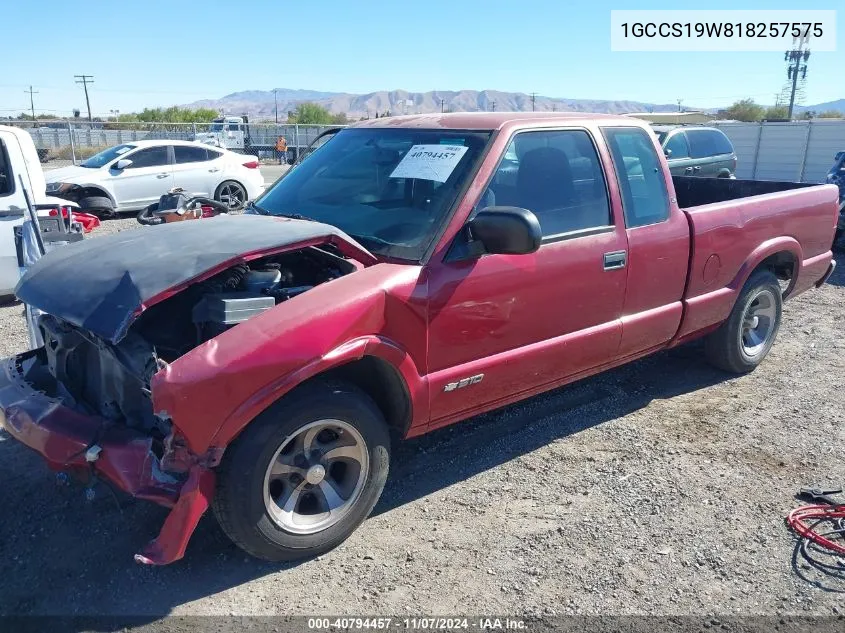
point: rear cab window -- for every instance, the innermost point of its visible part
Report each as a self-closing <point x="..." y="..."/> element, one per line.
<point x="558" y="176"/>
<point x="645" y="199"/>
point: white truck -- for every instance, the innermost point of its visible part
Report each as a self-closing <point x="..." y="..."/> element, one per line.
<point x="237" y="134"/>
<point x="22" y="187"/>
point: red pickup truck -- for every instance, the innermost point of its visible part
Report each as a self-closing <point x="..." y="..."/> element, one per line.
<point x="410" y="273"/>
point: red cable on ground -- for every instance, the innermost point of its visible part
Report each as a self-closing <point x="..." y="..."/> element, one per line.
<point x="799" y="518"/>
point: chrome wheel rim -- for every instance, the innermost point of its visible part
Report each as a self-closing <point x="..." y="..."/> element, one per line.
<point x="758" y="323"/>
<point x="316" y="476"/>
<point x="232" y="195"/>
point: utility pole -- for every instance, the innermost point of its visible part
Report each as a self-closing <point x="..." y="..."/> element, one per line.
<point x="276" y="101"/>
<point x="31" y="102"/>
<point x="85" y="80"/>
<point x="680" y="107"/>
<point x="554" y="107"/>
<point x="443" y="105"/>
<point x="493" y="105"/>
<point x="533" y="100"/>
<point x="796" y="64"/>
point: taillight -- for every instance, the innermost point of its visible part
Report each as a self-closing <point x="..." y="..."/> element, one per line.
<point x="253" y="164"/>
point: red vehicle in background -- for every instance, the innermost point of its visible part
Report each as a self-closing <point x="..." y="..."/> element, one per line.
<point x="409" y="273"/>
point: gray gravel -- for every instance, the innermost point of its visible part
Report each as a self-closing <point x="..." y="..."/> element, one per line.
<point x="657" y="488"/>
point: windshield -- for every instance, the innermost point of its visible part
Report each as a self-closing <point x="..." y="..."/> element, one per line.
<point x="388" y="188"/>
<point x="106" y="156"/>
<point x="216" y="127"/>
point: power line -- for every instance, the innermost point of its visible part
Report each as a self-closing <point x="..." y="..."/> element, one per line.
<point x="85" y="80"/>
<point x="31" y="102"/>
<point x="796" y="65"/>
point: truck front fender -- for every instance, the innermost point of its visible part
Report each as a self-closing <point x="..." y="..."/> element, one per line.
<point x="356" y="349"/>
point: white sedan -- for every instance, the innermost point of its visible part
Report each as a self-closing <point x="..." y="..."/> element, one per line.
<point x="132" y="176"/>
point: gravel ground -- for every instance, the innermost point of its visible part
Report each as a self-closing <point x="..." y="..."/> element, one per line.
<point x="657" y="488"/>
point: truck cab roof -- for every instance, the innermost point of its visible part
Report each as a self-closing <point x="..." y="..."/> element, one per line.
<point x="494" y="120"/>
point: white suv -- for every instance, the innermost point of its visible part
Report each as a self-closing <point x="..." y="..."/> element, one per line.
<point x="134" y="175"/>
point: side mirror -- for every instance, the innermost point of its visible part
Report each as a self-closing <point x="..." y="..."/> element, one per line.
<point x="123" y="163"/>
<point x="667" y="153"/>
<point x="506" y="230"/>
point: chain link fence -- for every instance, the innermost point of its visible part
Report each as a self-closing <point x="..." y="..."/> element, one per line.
<point x="62" y="143"/>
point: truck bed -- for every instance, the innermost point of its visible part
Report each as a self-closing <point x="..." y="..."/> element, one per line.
<point x="735" y="225"/>
<point x="694" y="192"/>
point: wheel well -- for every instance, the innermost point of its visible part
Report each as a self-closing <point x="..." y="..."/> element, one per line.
<point x="783" y="265"/>
<point x="383" y="383"/>
<point x="89" y="192"/>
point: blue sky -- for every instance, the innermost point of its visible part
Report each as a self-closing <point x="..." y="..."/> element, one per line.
<point x="164" y="53"/>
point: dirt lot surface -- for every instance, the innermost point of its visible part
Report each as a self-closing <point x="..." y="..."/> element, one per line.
<point x="657" y="488"/>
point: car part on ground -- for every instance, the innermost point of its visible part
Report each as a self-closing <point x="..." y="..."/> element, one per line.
<point x="808" y="521"/>
<point x="175" y="206"/>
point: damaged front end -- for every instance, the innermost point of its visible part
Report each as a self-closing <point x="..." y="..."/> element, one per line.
<point x="85" y="401"/>
<point x="38" y="411"/>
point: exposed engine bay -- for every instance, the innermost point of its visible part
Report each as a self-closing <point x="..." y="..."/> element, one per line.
<point x="113" y="380"/>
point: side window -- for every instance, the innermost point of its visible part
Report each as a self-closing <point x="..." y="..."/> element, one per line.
<point x="149" y="157"/>
<point x="721" y="143"/>
<point x="214" y="154"/>
<point x="678" y="145"/>
<point x="7" y="179"/>
<point x="189" y="154"/>
<point x="704" y="143"/>
<point x="640" y="174"/>
<point x="558" y="176"/>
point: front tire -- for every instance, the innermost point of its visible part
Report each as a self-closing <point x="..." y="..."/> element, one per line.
<point x="100" y="206"/>
<point x="744" y="340"/>
<point x="304" y="474"/>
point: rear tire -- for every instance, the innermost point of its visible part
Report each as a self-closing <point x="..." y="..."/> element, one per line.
<point x="232" y="193"/>
<point x="296" y="519"/>
<point x="98" y="205"/>
<point x="745" y="338"/>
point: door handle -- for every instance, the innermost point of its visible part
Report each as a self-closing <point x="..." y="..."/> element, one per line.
<point x="162" y="175"/>
<point x="615" y="260"/>
<point x="214" y="170"/>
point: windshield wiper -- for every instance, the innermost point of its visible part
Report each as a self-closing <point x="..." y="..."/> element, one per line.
<point x="251" y="206"/>
<point x="372" y="243"/>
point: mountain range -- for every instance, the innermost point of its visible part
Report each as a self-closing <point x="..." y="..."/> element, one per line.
<point x="262" y="104"/>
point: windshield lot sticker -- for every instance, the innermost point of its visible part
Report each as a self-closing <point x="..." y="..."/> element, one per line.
<point x="429" y="162"/>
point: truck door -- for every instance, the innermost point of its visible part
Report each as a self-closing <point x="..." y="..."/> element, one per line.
<point x="504" y="326"/>
<point x="658" y="241"/>
<point x="12" y="210"/>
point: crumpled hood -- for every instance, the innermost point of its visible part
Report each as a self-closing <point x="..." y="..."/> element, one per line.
<point x="103" y="284"/>
<point x="72" y="173"/>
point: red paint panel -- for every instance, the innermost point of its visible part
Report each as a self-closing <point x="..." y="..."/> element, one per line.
<point x="217" y="388"/>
